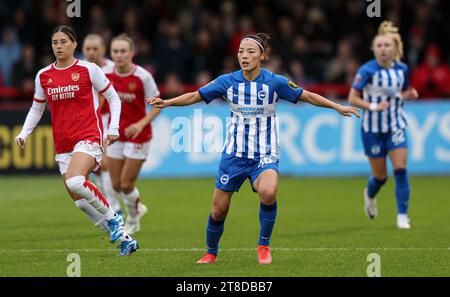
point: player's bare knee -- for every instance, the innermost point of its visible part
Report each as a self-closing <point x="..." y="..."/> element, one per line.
<point x="267" y="195"/>
<point x="219" y="214"/>
<point x="75" y="184"/>
<point x="127" y="186"/>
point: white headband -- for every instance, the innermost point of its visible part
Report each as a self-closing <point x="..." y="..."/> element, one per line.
<point x="252" y="39"/>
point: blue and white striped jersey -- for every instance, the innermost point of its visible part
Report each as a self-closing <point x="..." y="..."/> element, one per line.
<point x="383" y="84"/>
<point x="252" y="131"/>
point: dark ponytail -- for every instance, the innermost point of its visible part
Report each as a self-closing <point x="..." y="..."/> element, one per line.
<point x="66" y="30"/>
<point x="264" y="40"/>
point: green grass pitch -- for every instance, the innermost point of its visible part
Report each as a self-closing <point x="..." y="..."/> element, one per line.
<point x="321" y="230"/>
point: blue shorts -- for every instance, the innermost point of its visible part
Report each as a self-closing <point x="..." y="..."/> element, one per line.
<point x="233" y="171"/>
<point x="377" y="145"/>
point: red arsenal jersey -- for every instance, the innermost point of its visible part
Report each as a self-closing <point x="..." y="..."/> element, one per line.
<point x="133" y="88"/>
<point x="72" y="94"/>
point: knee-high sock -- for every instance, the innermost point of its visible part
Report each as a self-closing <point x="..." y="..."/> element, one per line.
<point x="374" y="185"/>
<point x="214" y="231"/>
<point x="402" y="190"/>
<point x="84" y="188"/>
<point x="132" y="202"/>
<point x="267" y="216"/>
<point x="97" y="218"/>
<point x="110" y="194"/>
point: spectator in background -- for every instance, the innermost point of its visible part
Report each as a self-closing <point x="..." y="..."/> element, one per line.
<point x="205" y="57"/>
<point x="10" y="49"/>
<point x="336" y="70"/>
<point x="24" y="70"/>
<point x="228" y="64"/>
<point x="144" y="56"/>
<point x="203" y="78"/>
<point x="297" y="73"/>
<point x="432" y="77"/>
<point x="173" y="53"/>
<point x="173" y="86"/>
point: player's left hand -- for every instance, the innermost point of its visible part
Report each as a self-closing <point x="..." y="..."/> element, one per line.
<point x="111" y="139"/>
<point x="133" y="130"/>
<point x="410" y="94"/>
<point x="347" y="111"/>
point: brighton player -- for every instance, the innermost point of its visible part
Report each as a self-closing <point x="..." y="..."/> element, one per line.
<point x="94" y="50"/>
<point x="251" y="149"/>
<point x="133" y="84"/>
<point x="70" y="87"/>
<point x="381" y="87"/>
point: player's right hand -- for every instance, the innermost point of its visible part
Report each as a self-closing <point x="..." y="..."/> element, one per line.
<point x="157" y="102"/>
<point x="383" y="105"/>
<point x="111" y="139"/>
<point x="20" y="142"/>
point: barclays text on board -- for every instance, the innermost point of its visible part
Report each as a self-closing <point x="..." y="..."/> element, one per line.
<point x="188" y="141"/>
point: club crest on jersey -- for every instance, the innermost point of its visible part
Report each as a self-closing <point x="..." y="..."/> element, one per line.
<point x="262" y="95"/>
<point x="293" y="85"/>
<point x="132" y="86"/>
<point x="75" y="76"/>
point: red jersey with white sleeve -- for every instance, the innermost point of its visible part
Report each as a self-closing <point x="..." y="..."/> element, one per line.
<point x="107" y="67"/>
<point x="72" y="95"/>
<point x="133" y="88"/>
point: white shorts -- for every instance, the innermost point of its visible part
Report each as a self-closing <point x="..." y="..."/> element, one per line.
<point x="93" y="149"/>
<point x="105" y="122"/>
<point x="124" y="149"/>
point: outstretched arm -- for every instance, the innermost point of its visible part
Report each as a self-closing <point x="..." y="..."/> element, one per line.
<point x="33" y="118"/>
<point x="317" y="100"/>
<point x="185" y="99"/>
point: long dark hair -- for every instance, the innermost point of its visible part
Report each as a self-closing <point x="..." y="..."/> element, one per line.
<point x="66" y="30"/>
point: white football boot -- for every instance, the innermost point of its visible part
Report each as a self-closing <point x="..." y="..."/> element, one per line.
<point x="403" y="221"/>
<point x="370" y="206"/>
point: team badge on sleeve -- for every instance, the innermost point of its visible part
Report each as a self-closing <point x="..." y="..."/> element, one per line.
<point x="357" y="79"/>
<point x="293" y="84"/>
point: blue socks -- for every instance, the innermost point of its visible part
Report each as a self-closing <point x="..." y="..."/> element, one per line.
<point x="401" y="190"/>
<point x="374" y="185"/>
<point x="267" y="215"/>
<point x="214" y="231"/>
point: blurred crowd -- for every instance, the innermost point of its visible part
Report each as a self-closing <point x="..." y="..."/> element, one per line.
<point x="193" y="41"/>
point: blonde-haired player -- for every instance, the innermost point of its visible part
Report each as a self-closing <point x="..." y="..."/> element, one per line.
<point x="126" y="157"/>
<point x="381" y="87"/>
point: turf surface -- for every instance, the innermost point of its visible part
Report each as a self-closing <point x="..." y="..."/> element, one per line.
<point x="321" y="230"/>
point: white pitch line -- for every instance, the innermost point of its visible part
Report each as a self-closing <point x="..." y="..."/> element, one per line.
<point x="170" y="250"/>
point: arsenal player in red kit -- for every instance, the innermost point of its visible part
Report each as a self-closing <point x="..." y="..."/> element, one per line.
<point x="70" y="87"/>
<point x="126" y="156"/>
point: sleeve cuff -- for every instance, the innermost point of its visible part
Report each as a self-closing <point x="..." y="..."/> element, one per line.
<point x="39" y="100"/>
<point x="113" y="131"/>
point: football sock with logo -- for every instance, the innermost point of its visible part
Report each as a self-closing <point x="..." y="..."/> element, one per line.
<point x="214" y="231"/>
<point x="84" y="188"/>
<point x="267" y="216"/>
<point x="401" y="190"/>
<point x="374" y="185"/>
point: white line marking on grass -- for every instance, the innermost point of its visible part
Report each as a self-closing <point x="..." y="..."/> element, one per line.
<point x="178" y="250"/>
